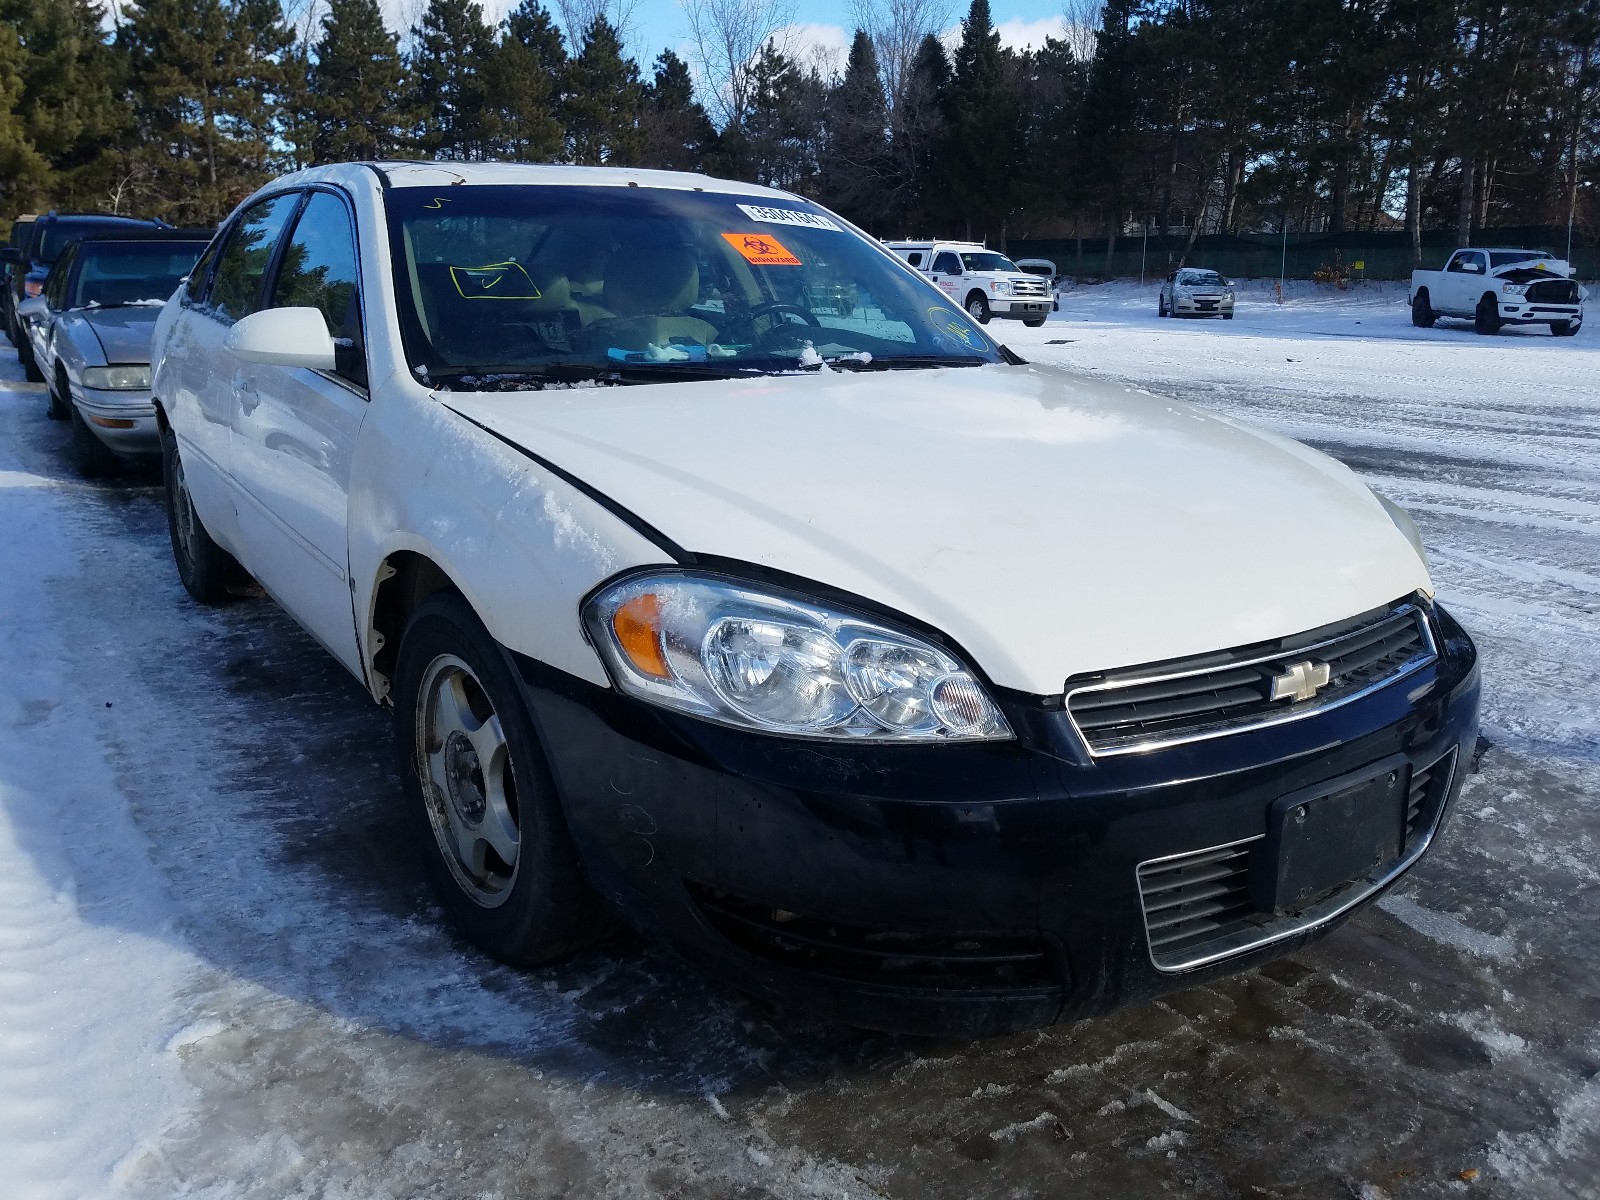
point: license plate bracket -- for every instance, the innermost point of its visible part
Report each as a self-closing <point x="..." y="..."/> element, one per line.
<point x="1324" y="837"/>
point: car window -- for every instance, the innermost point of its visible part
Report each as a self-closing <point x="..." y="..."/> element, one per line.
<point x="20" y="233"/>
<point x="1504" y="258"/>
<point x="947" y="264"/>
<point x="55" y="286"/>
<point x="318" y="270"/>
<point x="129" y="273"/>
<point x="198" y="277"/>
<point x="1199" y="278"/>
<point x="914" y="257"/>
<point x="244" y="257"/>
<point x="507" y="280"/>
<point x="985" y="260"/>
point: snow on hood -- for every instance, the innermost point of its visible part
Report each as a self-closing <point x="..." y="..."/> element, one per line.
<point x="124" y="332"/>
<point x="1051" y="524"/>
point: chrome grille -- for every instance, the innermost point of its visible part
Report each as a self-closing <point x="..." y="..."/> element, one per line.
<point x="1212" y="695"/>
<point x="1028" y="287"/>
<point x="1197" y="906"/>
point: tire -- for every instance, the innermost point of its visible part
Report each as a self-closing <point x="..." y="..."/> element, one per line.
<point x="11" y="328"/>
<point x="1161" y="307"/>
<point x="1227" y="316"/>
<point x="1486" y="319"/>
<point x="1422" y="314"/>
<point x="1564" y="328"/>
<point x="978" y="308"/>
<point x="1033" y="322"/>
<point x="89" y="454"/>
<point x="208" y="572"/>
<point x="517" y="890"/>
<point x="59" y="395"/>
<point x="30" y="369"/>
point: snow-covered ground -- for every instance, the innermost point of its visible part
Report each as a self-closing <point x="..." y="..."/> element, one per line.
<point x="221" y="974"/>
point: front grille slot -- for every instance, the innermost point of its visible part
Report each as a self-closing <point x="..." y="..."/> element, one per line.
<point x="1552" y="291"/>
<point x="1028" y="287"/>
<point x="1197" y="906"/>
<point x="917" y="960"/>
<point x="1216" y="694"/>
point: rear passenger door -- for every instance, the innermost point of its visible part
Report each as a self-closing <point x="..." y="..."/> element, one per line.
<point x="294" y="432"/>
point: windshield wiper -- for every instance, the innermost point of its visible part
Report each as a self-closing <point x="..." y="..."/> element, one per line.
<point x="902" y="362"/>
<point x="561" y="375"/>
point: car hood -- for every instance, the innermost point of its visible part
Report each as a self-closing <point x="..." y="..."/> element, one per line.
<point x="1050" y="524"/>
<point x="124" y="333"/>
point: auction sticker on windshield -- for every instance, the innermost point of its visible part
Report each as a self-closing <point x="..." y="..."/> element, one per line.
<point x="761" y="250"/>
<point x="787" y="216"/>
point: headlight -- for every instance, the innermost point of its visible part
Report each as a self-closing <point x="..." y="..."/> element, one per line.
<point x="1403" y="522"/>
<point x="127" y="378"/>
<point x="1513" y="289"/>
<point x="766" y="660"/>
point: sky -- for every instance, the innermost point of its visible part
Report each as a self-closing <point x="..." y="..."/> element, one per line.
<point x="826" y="26"/>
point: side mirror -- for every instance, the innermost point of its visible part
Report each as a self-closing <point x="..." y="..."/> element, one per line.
<point x="11" y="256"/>
<point x="33" y="306"/>
<point x="283" y="337"/>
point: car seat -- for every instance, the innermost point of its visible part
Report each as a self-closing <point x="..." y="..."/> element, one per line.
<point x="649" y="288"/>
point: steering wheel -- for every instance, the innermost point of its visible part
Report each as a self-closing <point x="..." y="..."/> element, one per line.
<point x="762" y="310"/>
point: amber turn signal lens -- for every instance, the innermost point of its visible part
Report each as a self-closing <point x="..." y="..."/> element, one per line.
<point x="637" y="625"/>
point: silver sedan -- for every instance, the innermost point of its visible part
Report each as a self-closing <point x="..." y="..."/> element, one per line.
<point x="1196" y="292"/>
<point x="90" y="334"/>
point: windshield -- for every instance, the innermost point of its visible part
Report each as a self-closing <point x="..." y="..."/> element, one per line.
<point x="1504" y="258"/>
<point x="55" y="235"/>
<point x="557" y="280"/>
<point x="1037" y="268"/>
<point x="1194" y="278"/>
<point x="130" y="273"/>
<point x="985" y="260"/>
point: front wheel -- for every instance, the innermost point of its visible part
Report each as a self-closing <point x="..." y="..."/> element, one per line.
<point x="1486" y="318"/>
<point x="1227" y="316"/>
<point x="90" y="455"/>
<point x="1422" y="314"/>
<point x="208" y="572"/>
<point x="481" y="801"/>
<point x="1033" y="322"/>
<point x="59" y="396"/>
<point x="978" y="308"/>
<point x="30" y="367"/>
<point x="1161" y="307"/>
<point x="1564" y="328"/>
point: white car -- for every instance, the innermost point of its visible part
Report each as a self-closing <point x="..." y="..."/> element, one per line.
<point x="984" y="282"/>
<point x="1195" y="292"/>
<point x="834" y="646"/>
<point x="1497" y="286"/>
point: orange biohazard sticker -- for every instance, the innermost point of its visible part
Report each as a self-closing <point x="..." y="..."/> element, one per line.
<point x="762" y="249"/>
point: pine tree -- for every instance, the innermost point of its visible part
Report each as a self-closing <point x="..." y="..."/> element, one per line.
<point x="783" y="123"/>
<point x="24" y="172"/>
<point x="526" y="85"/>
<point x="857" y="162"/>
<point x="604" y="98"/>
<point x="677" y="134"/>
<point x="919" y="132"/>
<point x="263" y="92"/>
<point x="982" y="157"/>
<point x="356" y="84"/>
<point x="453" y="49"/>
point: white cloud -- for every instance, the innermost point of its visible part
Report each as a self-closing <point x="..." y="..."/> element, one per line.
<point x="1015" y="34"/>
<point x="824" y="47"/>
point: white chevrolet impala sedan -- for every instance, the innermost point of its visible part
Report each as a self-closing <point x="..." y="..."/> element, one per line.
<point x="725" y="578"/>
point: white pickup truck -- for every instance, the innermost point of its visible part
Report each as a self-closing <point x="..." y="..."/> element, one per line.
<point x="1495" y="286"/>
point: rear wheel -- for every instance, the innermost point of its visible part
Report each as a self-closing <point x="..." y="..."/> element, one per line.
<point x="92" y="457"/>
<point x="30" y="368"/>
<point x="482" y="804"/>
<point x="1422" y="314"/>
<point x="59" y="395"/>
<point x="1564" y="328"/>
<point x="1486" y="319"/>
<point x="978" y="308"/>
<point x="208" y="572"/>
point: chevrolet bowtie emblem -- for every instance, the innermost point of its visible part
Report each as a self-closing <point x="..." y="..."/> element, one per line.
<point x="1299" y="681"/>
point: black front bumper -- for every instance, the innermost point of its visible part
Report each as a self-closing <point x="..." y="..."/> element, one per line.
<point x="961" y="889"/>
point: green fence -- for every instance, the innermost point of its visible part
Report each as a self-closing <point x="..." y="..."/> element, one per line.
<point x="1301" y="255"/>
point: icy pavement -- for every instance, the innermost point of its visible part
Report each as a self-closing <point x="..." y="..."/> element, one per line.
<point x="221" y="974"/>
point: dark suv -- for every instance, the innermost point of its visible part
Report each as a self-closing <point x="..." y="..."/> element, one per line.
<point x="28" y="261"/>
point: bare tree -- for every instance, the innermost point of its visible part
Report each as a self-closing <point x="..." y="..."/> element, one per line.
<point x="897" y="28"/>
<point x="727" y="36"/>
<point x="578" y="15"/>
<point x="1083" y="19"/>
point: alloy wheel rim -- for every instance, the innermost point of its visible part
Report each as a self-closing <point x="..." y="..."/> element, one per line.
<point x="467" y="783"/>
<point x="183" y="516"/>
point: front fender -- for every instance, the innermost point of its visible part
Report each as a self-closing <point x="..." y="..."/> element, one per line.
<point x="522" y="545"/>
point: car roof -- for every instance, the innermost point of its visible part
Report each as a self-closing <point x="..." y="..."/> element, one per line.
<point x="101" y="219"/>
<point x="403" y="174"/>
